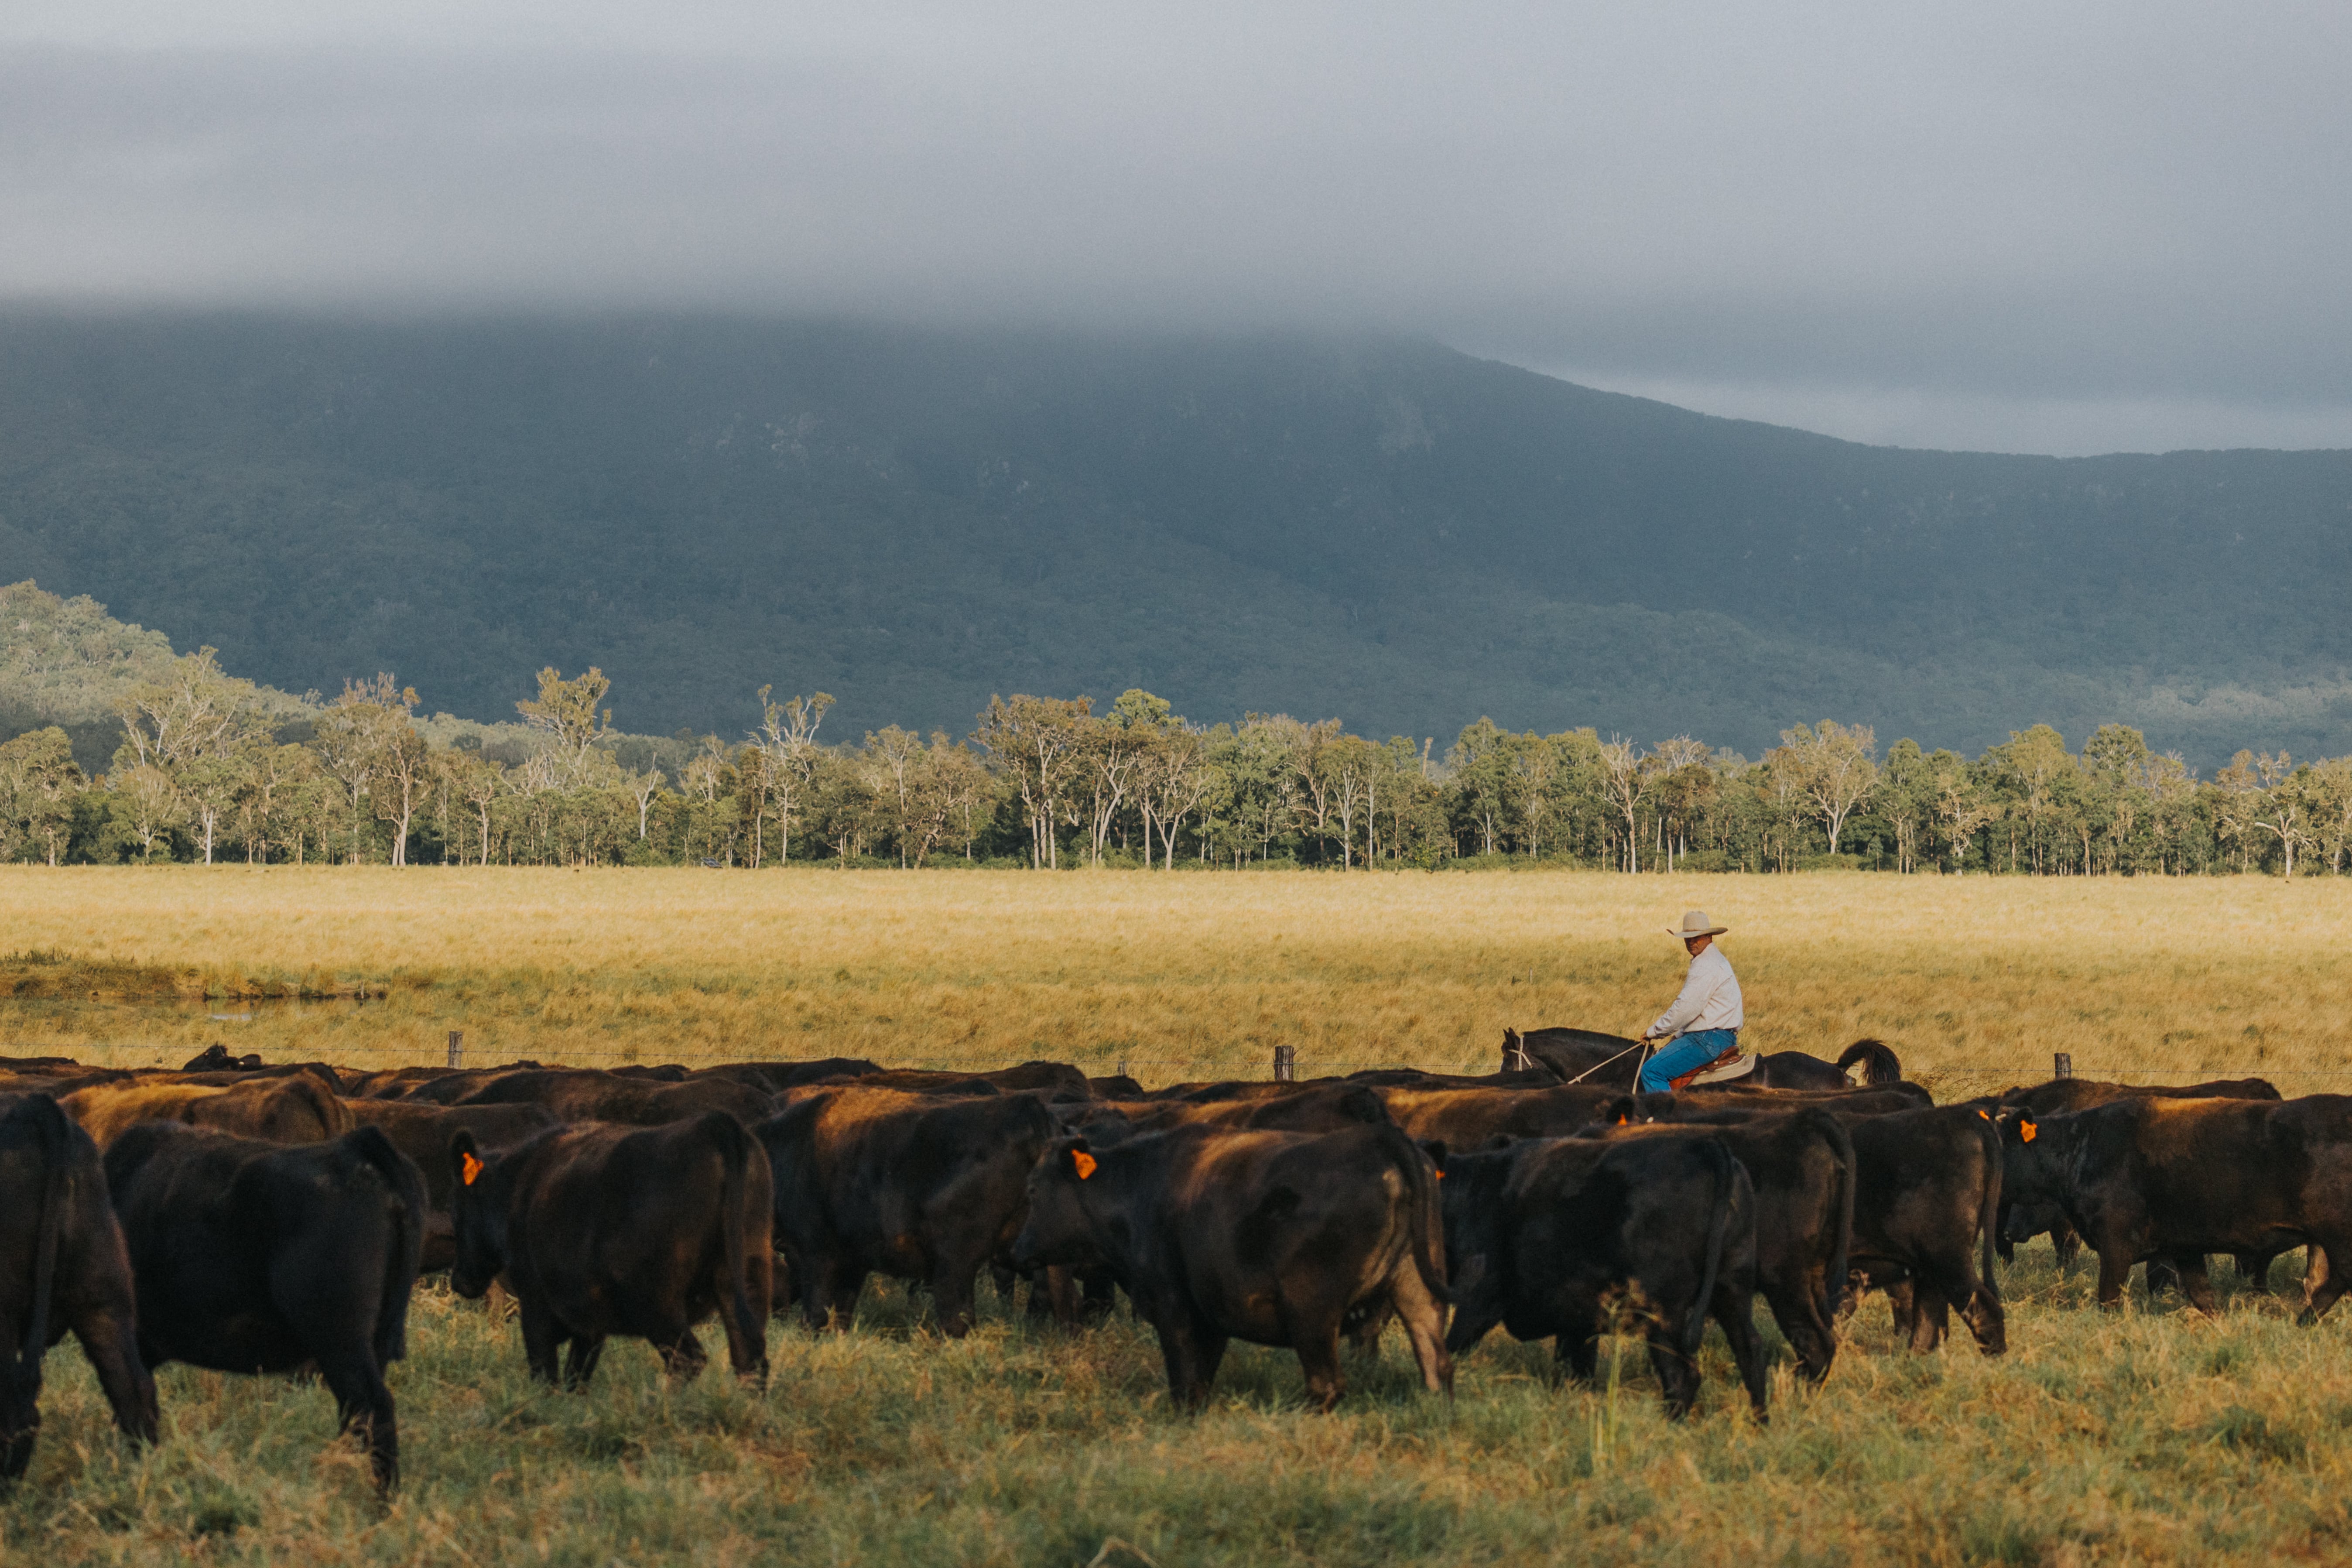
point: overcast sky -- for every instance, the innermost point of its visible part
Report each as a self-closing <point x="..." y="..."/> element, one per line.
<point x="2068" y="229"/>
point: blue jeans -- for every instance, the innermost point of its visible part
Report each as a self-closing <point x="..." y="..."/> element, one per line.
<point x="1685" y="1053"/>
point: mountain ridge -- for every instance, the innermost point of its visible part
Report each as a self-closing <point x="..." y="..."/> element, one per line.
<point x="1378" y="528"/>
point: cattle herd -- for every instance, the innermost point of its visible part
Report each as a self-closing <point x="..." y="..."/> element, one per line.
<point x="256" y="1218"/>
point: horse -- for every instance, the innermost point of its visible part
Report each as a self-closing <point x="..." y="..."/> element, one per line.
<point x="1588" y="1056"/>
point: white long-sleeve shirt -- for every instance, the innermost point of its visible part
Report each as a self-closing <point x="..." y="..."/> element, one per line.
<point x="1710" y="998"/>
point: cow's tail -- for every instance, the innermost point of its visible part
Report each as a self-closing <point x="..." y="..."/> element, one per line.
<point x="1727" y="1190"/>
<point x="1425" y="1219"/>
<point x="734" y="1191"/>
<point x="407" y="1249"/>
<point x="1832" y="1132"/>
<point x="1879" y="1062"/>
<point x="1988" y="1216"/>
<point x="55" y="1135"/>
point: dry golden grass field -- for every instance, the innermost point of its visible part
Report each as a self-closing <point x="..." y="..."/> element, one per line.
<point x="1177" y="974"/>
<point x="2150" y="1434"/>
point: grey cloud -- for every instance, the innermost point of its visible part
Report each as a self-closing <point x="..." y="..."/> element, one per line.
<point x="2118" y="226"/>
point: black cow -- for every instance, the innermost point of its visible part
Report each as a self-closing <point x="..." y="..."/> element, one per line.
<point x="1801" y="1163"/>
<point x="1927" y="1193"/>
<point x="1550" y="1237"/>
<point x="2155" y="1178"/>
<point x="600" y="1230"/>
<point x="253" y="1257"/>
<point x="1277" y="1238"/>
<point x="2021" y="1222"/>
<point x="62" y="1267"/>
<point x="880" y="1181"/>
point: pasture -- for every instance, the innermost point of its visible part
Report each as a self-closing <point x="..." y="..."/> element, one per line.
<point x="1179" y="975"/>
<point x="2148" y="1435"/>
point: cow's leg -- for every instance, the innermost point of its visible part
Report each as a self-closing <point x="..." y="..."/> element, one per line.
<point x="1192" y="1351"/>
<point x="1735" y="1309"/>
<point x="1579" y="1350"/>
<point x="365" y="1404"/>
<point x="952" y="1285"/>
<point x="111" y="1349"/>
<point x="2323" y="1282"/>
<point x="1930" y="1315"/>
<point x="1318" y="1345"/>
<point x="1678" y="1373"/>
<point x="829" y="1292"/>
<point x="2254" y="1270"/>
<point x="1101" y="1294"/>
<point x="542" y="1338"/>
<point x="2196" y="1284"/>
<point x="1902" y="1300"/>
<point x="1424" y="1328"/>
<point x="1364" y="1333"/>
<point x="1060" y="1292"/>
<point x="683" y="1357"/>
<point x="2067" y="1242"/>
<point x="580" y="1361"/>
<point x="2114" y="1276"/>
<point x="1798" y="1307"/>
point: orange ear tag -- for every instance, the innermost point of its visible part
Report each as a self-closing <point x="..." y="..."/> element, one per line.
<point x="1986" y="1114"/>
<point x="2026" y="1129"/>
<point x="1441" y="1175"/>
<point x="470" y="1166"/>
<point x="1083" y="1162"/>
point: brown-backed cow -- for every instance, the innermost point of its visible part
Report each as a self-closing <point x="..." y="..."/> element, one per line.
<point x="252" y="1257"/>
<point x="881" y="1181"/>
<point x="600" y="1230"/>
<point x="62" y="1267"/>
<point x="1465" y="1118"/>
<point x="295" y="1109"/>
<point x="2148" y="1177"/>
<point x="1275" y="1238"/>
<point x="588" y="1096"/>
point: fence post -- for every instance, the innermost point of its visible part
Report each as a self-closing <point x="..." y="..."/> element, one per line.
<point x="2061" y="1064"/>
<point x="1285" y="1063"/>
<point x="457" y="1048"/>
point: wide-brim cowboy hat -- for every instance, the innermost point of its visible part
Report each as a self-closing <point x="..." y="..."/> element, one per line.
<point x="1695" y="924"/>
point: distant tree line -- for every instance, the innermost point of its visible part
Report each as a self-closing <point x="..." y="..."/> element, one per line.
<point x="210" y="768"/>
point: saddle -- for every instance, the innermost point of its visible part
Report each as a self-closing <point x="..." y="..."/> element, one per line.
<point x="1730" y="1065"/>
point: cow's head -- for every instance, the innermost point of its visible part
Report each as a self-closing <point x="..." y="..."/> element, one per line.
<point x="1059" y="1229"/>
<point x="479" y="1212"/>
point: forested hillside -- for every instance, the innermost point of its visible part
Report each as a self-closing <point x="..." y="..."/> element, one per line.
<point x="1386" y="531"/>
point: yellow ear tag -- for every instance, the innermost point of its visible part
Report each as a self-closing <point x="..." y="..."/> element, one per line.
<point x="2026" y="1129"/>
<point x="1083" y="1162"/>
<point x="471" y="1166"/>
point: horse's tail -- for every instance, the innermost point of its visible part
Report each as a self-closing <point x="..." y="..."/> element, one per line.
<point x="1879" y="1062"/>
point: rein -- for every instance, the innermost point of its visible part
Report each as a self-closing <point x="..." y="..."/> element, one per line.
<point x="1637" y="1046"/>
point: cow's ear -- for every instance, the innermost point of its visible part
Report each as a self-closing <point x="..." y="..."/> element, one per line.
<point x="465" y="1157"/>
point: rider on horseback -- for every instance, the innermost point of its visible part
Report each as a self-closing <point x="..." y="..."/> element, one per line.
<point x="1704" y="1023"/>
